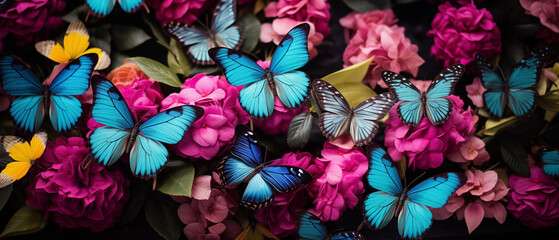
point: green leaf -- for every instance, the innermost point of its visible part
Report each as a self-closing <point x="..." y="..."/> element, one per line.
<point x="514" y="155"/>
<point x="26" y="220"/>
<point x="251" y="31"/>
<point x="126" y="37"/>
<point x="367" y="5"/>
<point x="157" y="71"/>
<point x="5" y="194"/>
<point x="161" y="214"/>
<point x="177" y="60"/>
<point x="177" y="180"/>
<point x="156" y="30"/>
<point x="550" y="101"/>
<point x="299" y="129"/>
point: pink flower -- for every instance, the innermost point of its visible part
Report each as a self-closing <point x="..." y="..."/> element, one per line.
<point x="222" y="112"/>
<point x="73" y="197"/>
<point x="340" y="186"/>
<point x="361" y="21"/>
<point x="461" y="33"/>
<point x="478" y="198"/>
<point x="312" y="11"/>
<point x="181" y="11"/>
<point x="546" y="10"/>
<point x="473" y="150"/>
<point x="534" y="200"/>
<point x="29" y="21"/>
<point x="426" y="145"/>
<point x="392" y="50"/>
<point x="280" y="215"/>
<point x="475" y="92"/>
<point x="275" y="32"/>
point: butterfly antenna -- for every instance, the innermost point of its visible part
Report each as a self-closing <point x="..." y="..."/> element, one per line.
<point x="251" y="125"/>
<point x="361" y="226"/>
<point x="87" y="162"/>
<point x="154" y="183"/>
<point x="146" y="7"/>
<point x="418" y="177"/>
<point x="501" y="71"/>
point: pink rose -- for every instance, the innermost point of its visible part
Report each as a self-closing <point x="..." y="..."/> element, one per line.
<point x="426" y="145"/>
<point x="534" y="200"/>
<point x="461" y="33"/>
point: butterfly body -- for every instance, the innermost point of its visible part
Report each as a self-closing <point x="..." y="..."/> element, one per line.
<point x="262" y="84"/>
<point x="432" y="103"/>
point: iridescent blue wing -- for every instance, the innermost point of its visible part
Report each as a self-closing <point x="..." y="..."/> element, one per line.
<point x="238" y="68"/>
<point x="107" y="144"/>
<point x="230" y="38"/>
<point x="522" y="98"/>
<point x="285" y="178"/>
<point x="170" y="125"/>
<point x="382" y="173"/>
<point x="335" y="118"/>
<point x="224" y="15"/>
<point x="109" y="107"/>
<point x="550" y="160"/>
<point x="245" y="157"/>
<point x="292" y="88"/>
<point x="495" y="98"/>
<point x="363" y="127"/>
<point x="74" y="78"/>
<point x="378" y="209"/>
<point x="522" y="101"/>
<point x="147" y="156"/>
<point x="64" y="112"/>
<point x="347" y="235"/>
<point x="292" y="52"/>
<point x="196" y="39"/>
<point x="28" y="112"/>
<point x="411" y="109"/>
<point x="130" y="6"/>
<point x="258" y="193"/>
<point x="17" y="79"/>
<point x="101" y="7"/>
<point x="414" y="219"/>
<point x="437" y="107"/>
<point x="496" y="103"/>
<point x="311" y="227"/>
<point x="435" y="191"/>
<point x="257" y="99"/>
<point x="233" y="170"/>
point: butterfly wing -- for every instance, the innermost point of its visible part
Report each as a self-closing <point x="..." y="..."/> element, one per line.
<point x="378" y="209"/>
<point x="238" y="68"/>
<point x="435" y="191"/>
<point x="22" y="155"/>
<point x="174" y="122"/>
<point x="107" y="144"/>
<point x="101" y="7"/>
<point x="335" y="118"/>
<point x="437" y="107"/>
<point x="414" y="219"/>
<point x="550" y="160"/>
<point x="147" y="156"/>
<point x="74" y="78"/>
<point x="257" y="194"/>
<point x="64" y="112"/>
<point x="521" y="98"/>
<point x="285" y="178"/>
<point x="130" y="6"/>
<point x="257" y="99"/>
<point x="411" y="110"/>
<point x="28" y="112"/>
<point x="245" y="157"/>
<point x="292" y="51"/>
<point x="347" y="235"/>
<point x="494" y="98"/>
<point x="363" y="127"/>
<point x="17" y="79"/>
<point x="311" y="227"/>
<point x="382" y="173"/>
<point x="109" y="106"/>
<point x="225" y="34"/>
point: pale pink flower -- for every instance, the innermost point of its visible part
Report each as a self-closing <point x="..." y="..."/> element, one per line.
<point x="546" y="10"/>
<point x="355" y="21"/>
<point x="275" y="32"/>
<point x="475" y="92"/>
<point x="473" y="150"/>
<point x="312" y="11"/>
<point x="478" y="198"/>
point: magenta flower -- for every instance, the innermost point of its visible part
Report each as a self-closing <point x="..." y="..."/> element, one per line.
<point x="546" y="10"/>
<point x="461" y="33"/>
<point x="73" y="197"/>
<point x="478" y="198"/>
<point x="475" y="92"/>
<point x="473" y="150"/>
<point x="426" y="145"/>
<point x="312" y="11"/>
<point x="222" y="112"/>
<point x="340" y="186"/>
<point x="534" y="200"/>
<point x="181" y="11"/>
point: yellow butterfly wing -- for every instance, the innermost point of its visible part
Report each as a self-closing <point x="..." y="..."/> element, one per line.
<point x="23" y="155"/>
<point x="52" y="50"/>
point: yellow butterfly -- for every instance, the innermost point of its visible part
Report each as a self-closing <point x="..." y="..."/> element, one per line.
<point x="76" y="43"/>
<point x="256" y="232"/>
<point x="22" y="156"/>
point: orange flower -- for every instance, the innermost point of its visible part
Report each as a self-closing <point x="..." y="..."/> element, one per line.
<point x="126" y="73"/>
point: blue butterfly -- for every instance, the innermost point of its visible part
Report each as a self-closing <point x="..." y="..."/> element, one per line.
<point x="246" y="164"/>
<point x="516" y="92"/>
<point x="141" y="140"/>
<point x="104" y="7"/>
<point x="410" y="205"/>
<point x="281" y="78"/>
<point x="338" y="117"/>
<point x="550" y="160"/>
<point x="311" y="227"/>
<point x="432" y="103"/>
<point x="220" y="34"/>
<point x="34" y="100"/>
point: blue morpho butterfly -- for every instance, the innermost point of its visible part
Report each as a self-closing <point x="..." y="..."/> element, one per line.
<point x="432" y="103"/>
<point x="338" y="117"/>
<point x="281" y="78"/>
<point x="246" y="164"/>
<point x="516" y="92"/>
<point x="34" y="100"/>
<point x="550" y="161"/>
<point x="311" y="227"/>
<point x="220" y="34"/>
<point x="122" y="133"/>
<point x="104" y="7"/>
<point x="410" y="205"/>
